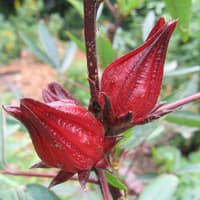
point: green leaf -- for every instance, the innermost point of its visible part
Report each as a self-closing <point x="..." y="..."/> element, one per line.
<point x="78" y="5"/>
<point x="169" y="157"/>
<point x="191" y="193"/>
<point x="11" y="190"/>
<point x="49" y="45"/>
<point x="189" y="168"/>
<point x="36" y="192"/>
<point x="181" y="9"/>
<point x="114" y="181"/>
<point x="105" y="52"/>
<point x="137" y="135"/>
<point x="12" y="194"/>
<point x="36" y="50"/>
<point x="162" y="188"/>
<point x="78" y="42"/>
<point x="183" y="71"/>
<point x="126" y="6"/>
<point x="184" y="118"/>
<point x="99" y="11"/>
<point x="69" y="56"/>
<point x="6" y="181"/>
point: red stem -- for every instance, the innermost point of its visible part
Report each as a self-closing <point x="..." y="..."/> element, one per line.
<point x="90" y="43"/>
<point x="41" y="175"/>
<point x="111" y="7"/>
<point x="181" y="102"/>
<point x="164" y="109"/>
<point x="103" y="184"/>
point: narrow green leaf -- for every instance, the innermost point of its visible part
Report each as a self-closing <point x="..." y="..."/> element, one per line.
<point x="183" y="71"/>
<point x="114" y="181"/>
<point x="78" y="5"/>
<point x="162" y="188"/>
<point x="184" y="118"/>
<point x="49" y="45"/>
<point x="77" y="41"/>
<point x="69" y="56"/>
<point x="36" y="192"/>
<point x="36" y="50"/>
<point x="100" y="11"/>
<point x="181" y="9"/>
<point x="105" y="52"/>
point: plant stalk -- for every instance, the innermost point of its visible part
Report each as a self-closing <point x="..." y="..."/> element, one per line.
<point x="181" y="102"/>
<point x="170" y="107"/>
<point x="103" y="184"/>
<point x="90" y="43"/>
<point x="41" y="175"/>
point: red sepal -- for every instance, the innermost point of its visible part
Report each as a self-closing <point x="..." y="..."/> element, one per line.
<point x="61" y="177"/>
<point x="83" y="178"/>
<point x="40" y="164"/>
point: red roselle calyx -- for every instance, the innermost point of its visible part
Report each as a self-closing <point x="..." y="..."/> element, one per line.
<point x="130" y="86"/>
<point x="65" y="134"/>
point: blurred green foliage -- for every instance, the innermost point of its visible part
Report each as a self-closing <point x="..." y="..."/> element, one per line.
<point x="178" y="160"/>
<point x="8" y="41"/>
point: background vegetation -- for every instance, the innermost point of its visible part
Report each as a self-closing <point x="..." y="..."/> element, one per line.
<point x="163" y="157"/>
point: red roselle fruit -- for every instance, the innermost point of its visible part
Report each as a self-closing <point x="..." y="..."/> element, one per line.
<point x="130" y="86"/>
<point x="65" y="134"/>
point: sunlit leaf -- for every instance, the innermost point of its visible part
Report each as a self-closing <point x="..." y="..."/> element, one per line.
<point x="181" y="9"/>
<point x="106" y="54"/>
<point x="114" y="181"/>
<point x="78" y="5"/>
<point x="126" y="6"/>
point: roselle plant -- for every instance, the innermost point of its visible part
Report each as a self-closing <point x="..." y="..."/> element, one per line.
<point x="77" y="140"/>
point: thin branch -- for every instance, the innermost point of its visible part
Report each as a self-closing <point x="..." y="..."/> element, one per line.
<point x="90" y="43"/>
<point x="103" y="184"/>
<point x="41" y="175"/>
<point x="181" y="102"/>
<point x="170" y="107"/>
<point x="118" y="19"/>
<point x="111" y="7"/>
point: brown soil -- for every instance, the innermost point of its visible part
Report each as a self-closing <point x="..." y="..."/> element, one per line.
<point x="26" y="75"/>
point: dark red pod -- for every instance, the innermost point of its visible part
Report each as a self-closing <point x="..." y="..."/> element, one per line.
<point x="132" y="83"/>
<point x="65" y="136"/>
